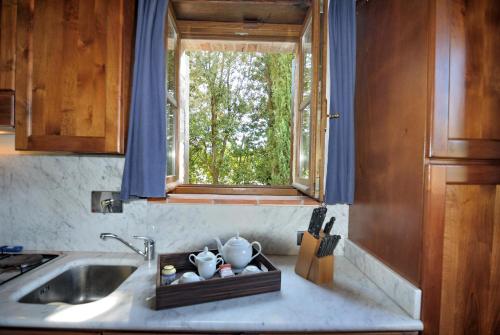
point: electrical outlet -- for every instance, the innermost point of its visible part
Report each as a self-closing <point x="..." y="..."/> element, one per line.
<point x="106" y="202"/>
<point x="300" y="235"/>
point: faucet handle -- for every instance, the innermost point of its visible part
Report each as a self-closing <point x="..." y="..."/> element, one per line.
<point x="146" y="239"/>
<point x="149" y="247"/>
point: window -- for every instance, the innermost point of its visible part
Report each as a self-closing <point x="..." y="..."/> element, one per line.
<point x="239" y="117"/>
<point x="219" y="62"/>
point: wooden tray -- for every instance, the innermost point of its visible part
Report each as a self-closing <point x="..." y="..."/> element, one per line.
<point x="216" y="288"/>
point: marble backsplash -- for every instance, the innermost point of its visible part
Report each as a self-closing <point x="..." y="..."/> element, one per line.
<point x="45" y="205"/>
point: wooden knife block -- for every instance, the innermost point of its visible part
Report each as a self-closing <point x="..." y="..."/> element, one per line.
<point x="316" y="269"/>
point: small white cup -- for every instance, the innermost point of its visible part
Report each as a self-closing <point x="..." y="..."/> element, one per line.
<point x="250" y="269"/>
<point x="189" y="277"/>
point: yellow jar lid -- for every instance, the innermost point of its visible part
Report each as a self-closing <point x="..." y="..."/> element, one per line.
<point x="168" y="270"/>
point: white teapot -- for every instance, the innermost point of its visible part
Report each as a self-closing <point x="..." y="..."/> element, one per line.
<point x="238" y="252"/>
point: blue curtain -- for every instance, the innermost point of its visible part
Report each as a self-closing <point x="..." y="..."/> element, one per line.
<point x="341" y="151"/>
<point x="145" y="161"/>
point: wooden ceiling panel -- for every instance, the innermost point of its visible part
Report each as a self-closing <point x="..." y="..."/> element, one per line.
<point x="262" y="11"/>
<point x="239" y="31"/>
<point x="237" y="46"/>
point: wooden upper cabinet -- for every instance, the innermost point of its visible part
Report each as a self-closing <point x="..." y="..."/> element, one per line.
<point x="8" y="10"/>
<point x="466" y="100"/>
<point x="73" y="74"/>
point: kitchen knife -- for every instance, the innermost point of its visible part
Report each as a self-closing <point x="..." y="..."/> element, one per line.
<point x="322" y="248"/>
<point x="336" y="239"/>
<point x="317" y="218"/>
<point x="329" y="251"/>
<point x="329" y="226"/>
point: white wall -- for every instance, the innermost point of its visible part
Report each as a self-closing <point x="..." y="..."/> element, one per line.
<point x="45" y="205"/>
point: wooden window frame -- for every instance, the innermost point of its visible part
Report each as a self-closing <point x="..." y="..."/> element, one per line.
<point x="236" y="190"/>
<point x="173" y="179"/>
<point x="313" y="185"/>
<point x="303" y="184"/>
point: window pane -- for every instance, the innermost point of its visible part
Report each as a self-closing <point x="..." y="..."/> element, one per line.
<point x="305" y="140"/>
<point x="171" y="48"/>
<point x="240" y="118"/>
<point x="171" y="138"/>
<point x="307" y="63"/>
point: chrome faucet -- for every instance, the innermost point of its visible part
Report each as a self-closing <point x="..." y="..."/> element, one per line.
<point x="149" y="245"/>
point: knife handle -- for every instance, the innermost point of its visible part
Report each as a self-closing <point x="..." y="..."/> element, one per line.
<point x="336" y="239"/>
<point x="321" y="249"/>
<point x="329" y="225"/>
<point x="317" y="218"/>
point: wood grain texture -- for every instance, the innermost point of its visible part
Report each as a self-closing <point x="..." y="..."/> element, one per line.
<point x="471" y="250"/>
<point x="213" y="289"/>
<point x="308" y="248"/>
<point x="480" y="174"/>
<point x="475" y="70"/>
<point x="432" y="246"/>
<point x="321" y="271"/>
<point x="461" y="247"/>
<point x="7" y="108"/>
<point x="8" y="23"/>
<point x="234" y="190"/>
<point x="237" y="46"/>
<point x="466" y="111"/>
<point x="390" y="101"/>
<point x="280" y="12"/>
<point x="70" y="74"/>
<point x="237" y="30"/>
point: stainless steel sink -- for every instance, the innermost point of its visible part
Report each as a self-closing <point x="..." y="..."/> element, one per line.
<point x="80" y="284"/>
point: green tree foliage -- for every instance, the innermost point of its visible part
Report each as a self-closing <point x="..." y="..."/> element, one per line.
<point x="240" y="118"/>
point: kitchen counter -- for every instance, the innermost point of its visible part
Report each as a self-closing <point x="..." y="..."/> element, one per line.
<point x="354" y="303"/>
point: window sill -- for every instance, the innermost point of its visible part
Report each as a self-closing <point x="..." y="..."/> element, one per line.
<point x="246" y="200"/>
<point x="192" y="189"/>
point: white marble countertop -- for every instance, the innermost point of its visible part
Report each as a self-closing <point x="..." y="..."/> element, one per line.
<point x="354" y="303"/>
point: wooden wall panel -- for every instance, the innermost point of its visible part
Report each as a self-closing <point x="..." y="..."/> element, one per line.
<point x="391" y="90"/>
<point x="8" y="10"/>
<point x="471" y="258"/>
<point x="71" y="91"/>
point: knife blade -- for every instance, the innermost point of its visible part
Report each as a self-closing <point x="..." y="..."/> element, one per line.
<point x="317" y="218"/>
<point x="329" y="226"/>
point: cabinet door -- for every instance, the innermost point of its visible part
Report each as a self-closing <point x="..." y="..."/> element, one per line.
<point x="72" y="74"/>
<point x="8" y="10"/>
<point x="466" y="104"/>
<point x="461" y="250"/>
